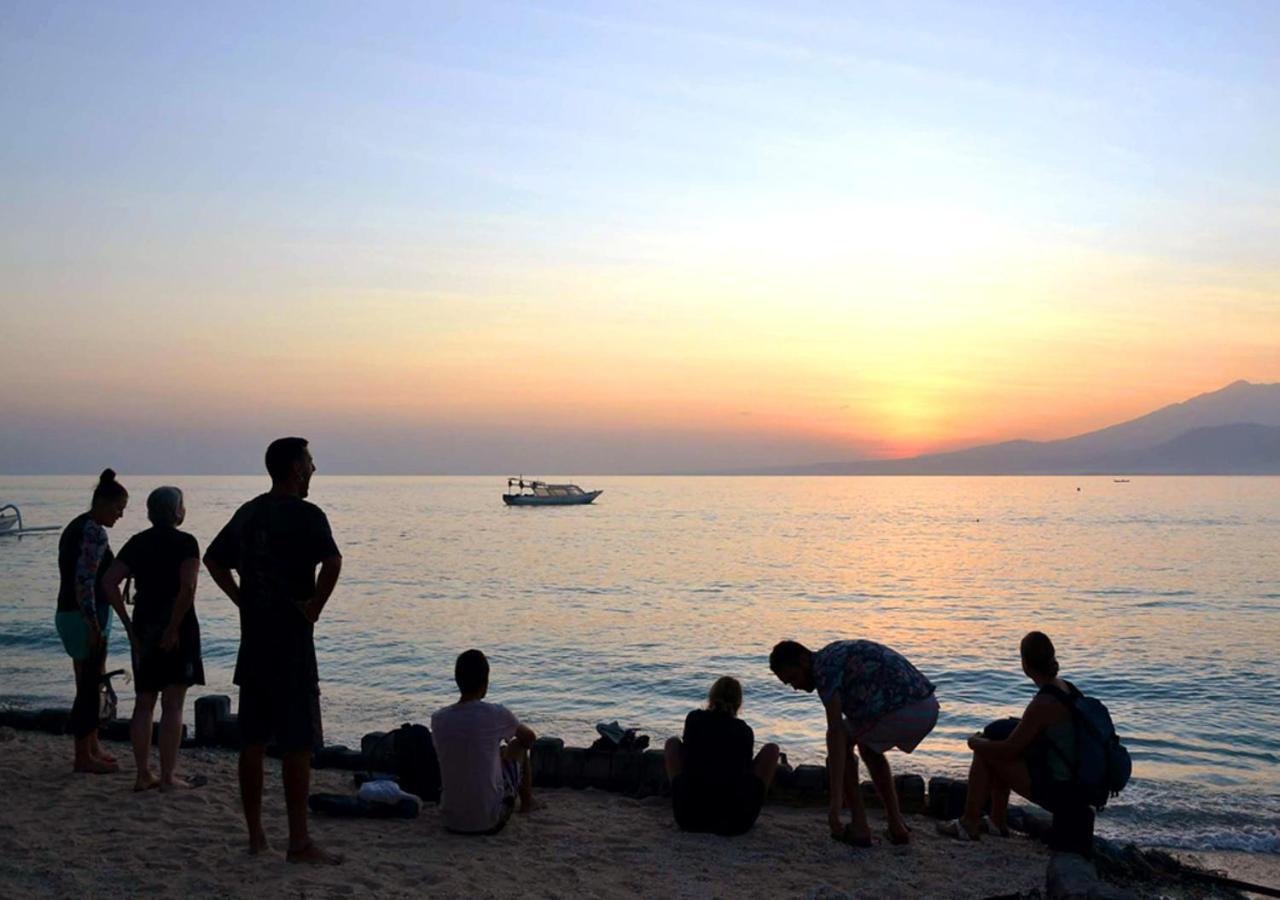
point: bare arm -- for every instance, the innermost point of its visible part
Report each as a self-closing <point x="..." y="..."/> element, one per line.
<point x="837" y="759"/>
<point x="1033" y="722"/>
<point x="111" y="591"/>
<point x="187" y="575"/>
<point x="326" y="581"/>
<point x="525" y="736"/>
<point x="223" y="578"/>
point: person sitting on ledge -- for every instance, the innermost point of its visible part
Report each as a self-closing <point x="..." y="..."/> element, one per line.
<point x="875" y="699"/>
<point x="484" y="755"/>
<point x="715" y="784"/>
<point x="1033" y="755"/>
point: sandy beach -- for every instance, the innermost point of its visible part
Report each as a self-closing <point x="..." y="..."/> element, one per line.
<point x="63" y="834"/>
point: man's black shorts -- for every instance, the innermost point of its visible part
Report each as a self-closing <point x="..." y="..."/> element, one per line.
<point x="290" y="719"/>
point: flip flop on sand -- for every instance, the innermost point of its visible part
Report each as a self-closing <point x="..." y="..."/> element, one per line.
<point x="847" y="836"/>
<point x="955" y="829"/>
<point x="989" y="827"/>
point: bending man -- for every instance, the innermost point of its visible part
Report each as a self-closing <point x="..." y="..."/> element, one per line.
<point x="875" y="699"/>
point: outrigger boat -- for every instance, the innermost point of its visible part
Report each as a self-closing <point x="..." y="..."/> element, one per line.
<point x="11" y="523"/>
<point x="539" y="493"/>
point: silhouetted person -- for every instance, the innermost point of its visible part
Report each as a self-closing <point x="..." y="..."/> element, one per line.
<point x="274" y="543"/>
<point x="716" y="786"/>
<point x="1034" y="755"/>
<point x="875" y="699"/>
<point x="83" y="618"/>
<point x="484" y="755"/>
<point x="163" y="631"/>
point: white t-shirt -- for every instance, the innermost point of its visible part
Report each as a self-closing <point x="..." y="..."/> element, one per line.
<point x="467" y="737"/>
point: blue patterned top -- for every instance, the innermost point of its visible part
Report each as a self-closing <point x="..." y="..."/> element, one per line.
<point x="871" y="679"/>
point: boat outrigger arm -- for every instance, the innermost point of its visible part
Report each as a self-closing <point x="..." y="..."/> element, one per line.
<point x="11" y="523"/>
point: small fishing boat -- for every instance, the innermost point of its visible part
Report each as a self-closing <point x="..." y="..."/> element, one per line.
<point x="539" y="493"/>
<point x="11" y="523"/>
<point x="1120" y="480"/>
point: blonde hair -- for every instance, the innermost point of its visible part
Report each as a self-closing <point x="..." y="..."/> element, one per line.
<point x="725" y="695"/>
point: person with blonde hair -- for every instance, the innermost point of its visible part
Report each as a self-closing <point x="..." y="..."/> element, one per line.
<point x="716" y="785"/>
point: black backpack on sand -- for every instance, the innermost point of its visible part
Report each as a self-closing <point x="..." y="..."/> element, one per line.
<point x="409" y="753"/>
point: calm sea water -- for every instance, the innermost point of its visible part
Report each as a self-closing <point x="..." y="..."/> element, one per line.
<point x="1163" y="596"/>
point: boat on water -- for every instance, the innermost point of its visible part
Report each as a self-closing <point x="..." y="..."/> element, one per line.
<point x="11" y="523"/>
<point x="526" y="492"/>
<point x="1120" y="480"/>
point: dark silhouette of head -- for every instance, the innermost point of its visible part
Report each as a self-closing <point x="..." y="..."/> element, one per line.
<point x="471" y="672"/>
<point x="792" y="662"/>
<point x="1039" y="659"/>
<point x="109" y="499"/>
<point x="290" y="465"/>
<point x="165" y="507"/>
<point x="725" y="696"/>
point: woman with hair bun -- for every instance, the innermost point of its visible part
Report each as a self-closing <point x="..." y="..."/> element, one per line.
<point x="164" y="563"/>
<point x="1034" y="755"/>
<point x="715" y="784"/>
<point x="83" y="619"/>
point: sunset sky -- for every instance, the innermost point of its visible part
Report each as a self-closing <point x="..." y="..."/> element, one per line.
<point x="586" y="238"/>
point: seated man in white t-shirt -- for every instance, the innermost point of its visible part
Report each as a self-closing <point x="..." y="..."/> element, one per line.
<point x="484" y="755"/>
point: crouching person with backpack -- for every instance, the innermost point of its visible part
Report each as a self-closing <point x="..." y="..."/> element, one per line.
<point x="1062" y="755"/>
<point x="484" y="755"/>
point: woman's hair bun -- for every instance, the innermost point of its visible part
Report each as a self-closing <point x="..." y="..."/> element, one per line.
<point x="106" y="476"/>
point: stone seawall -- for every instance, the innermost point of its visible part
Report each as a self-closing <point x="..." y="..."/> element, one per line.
<point x="635" y="773"/>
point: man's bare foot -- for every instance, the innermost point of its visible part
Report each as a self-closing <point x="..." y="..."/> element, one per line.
<point x="528" y="805"/>
<point x="95" y="750"/>
<point x="95" y="766"/>
<point x="145" y="782"/>
<point x="258" y="844"/>
<point x="312" y="853"/>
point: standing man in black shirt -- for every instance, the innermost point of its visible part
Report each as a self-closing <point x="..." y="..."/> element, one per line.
<point x="274" y="543"/>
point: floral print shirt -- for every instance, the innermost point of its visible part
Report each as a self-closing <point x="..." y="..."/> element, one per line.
<point x="93" y="548"/>
<point x="871" y="679"/>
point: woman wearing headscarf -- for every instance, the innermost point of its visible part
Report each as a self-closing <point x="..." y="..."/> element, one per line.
<point x="164" y="632"/>
<point x="84" y="616"/>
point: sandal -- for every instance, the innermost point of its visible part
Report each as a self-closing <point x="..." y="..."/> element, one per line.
<point x="956" y="829"/>
<point x="989" y="827"/>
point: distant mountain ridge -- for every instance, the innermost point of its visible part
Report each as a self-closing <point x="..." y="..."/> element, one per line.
<point x="1232" y="431"/>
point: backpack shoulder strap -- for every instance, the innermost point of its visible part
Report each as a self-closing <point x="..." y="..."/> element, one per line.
<point x="1057" y="693"/>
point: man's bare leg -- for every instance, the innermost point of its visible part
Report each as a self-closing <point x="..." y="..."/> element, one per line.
<point x="296" y="771"/>
<point x="140" y="733"/>
<point x="882" y="778"/>
<point x="251" y="795"/>
<point x="853" y="798"/>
